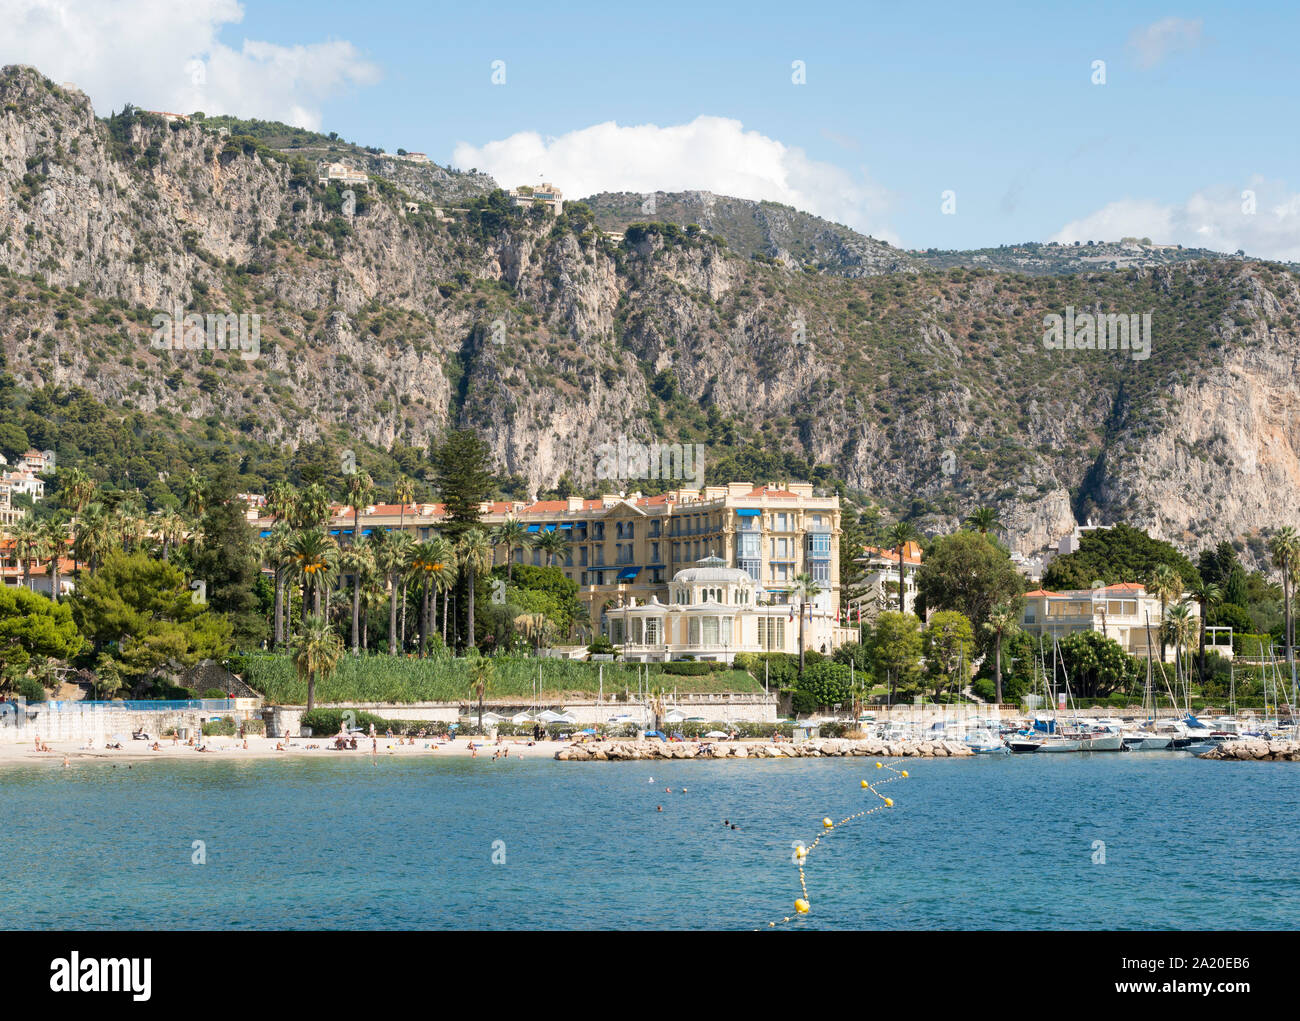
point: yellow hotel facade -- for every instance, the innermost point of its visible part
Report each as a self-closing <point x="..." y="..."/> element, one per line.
<point x="625" y="550"/>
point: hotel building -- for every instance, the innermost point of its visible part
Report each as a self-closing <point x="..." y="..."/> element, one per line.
<point x="1126" y="613"/>
<point x="625" y="548"/>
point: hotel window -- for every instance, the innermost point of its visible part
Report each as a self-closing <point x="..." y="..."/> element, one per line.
<point x="710" y="630"/>
<point x="652" y="628"/>
<point x="537" y="558"/>
<point x="782" y="522"/>
<point x="654" y="553"/>
<point x="780" y="549"/>
<point x="616" y="630"/>
<point x="582" y="556"/>
<point x="637" y="630"/>
<point x="819" y="544"/>
<point x="655" y="529"/>
<point x="726" y="630"/>
<point x="771" y="634"/>
<point x="821" y="570"/>
<point x="693" y="631"/>
<point x="584" y="577"/>
<point x="780" y="572"/>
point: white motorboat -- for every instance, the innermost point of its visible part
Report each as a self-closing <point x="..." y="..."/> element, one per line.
<point x="983" y="741"/>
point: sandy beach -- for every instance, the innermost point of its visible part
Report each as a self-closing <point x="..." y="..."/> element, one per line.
<point x="265" y="748"/>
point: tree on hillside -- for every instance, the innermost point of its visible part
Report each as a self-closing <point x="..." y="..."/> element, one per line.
<point x="1166" y="584"/>
<point x="1284" y="549"/>
<point x="1114" y="556"/>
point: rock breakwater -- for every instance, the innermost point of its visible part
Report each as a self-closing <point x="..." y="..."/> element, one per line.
<point x="606" y="751"/>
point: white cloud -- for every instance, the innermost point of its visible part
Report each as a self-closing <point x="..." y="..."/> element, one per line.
<point x="1153" y="43"/>
<point x="1217" y="219"/>
<point x="712" y="154"/>
<point x="165" y="55"/>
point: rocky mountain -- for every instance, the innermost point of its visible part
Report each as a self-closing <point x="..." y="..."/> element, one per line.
<point x="763" y="230"/>
<point x="384" y="322"/>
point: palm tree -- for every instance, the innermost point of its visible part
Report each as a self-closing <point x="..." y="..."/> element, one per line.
<point x="388" y="557"/>
<point x="29" y="541"/>
<point x="76" y="489"/>
<point x="1003" y="622"/>
<point x="984" y="520"/>
<point x="1167" y="586"/>
<point x="196" y="495"/>
<point x="429" y="563"/>
<point x="1284" y="548"/>
<point x="312" y="508"/>
<point x="276" y="548"/>
<point x="319" y="651"/>
<point x="1206" y="595"/>
<point x="900" y="534"/>
<point x="404" y="491"/>
<point x="54" y="533"/>
<point x="314" y="561"/>
<point x="282" y="502"/>
<point x="170" y="527"/>
<point x="359" y="562"/>
<point x="511" y="533"/>
<point x="1178" y="628"/>
<point x="93" y="538"/>
<point x="553" y="544"/>
<point x="475" y="555"/>
<point x="480" y="672"/>
<point x="446" y="570"/>
<point x="807" y="590"/>
<point x="361" y="489"/>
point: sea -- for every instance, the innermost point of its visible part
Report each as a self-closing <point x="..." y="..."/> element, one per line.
<point x="1094" y="841"/>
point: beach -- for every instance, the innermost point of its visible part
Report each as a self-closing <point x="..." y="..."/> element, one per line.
<point x="232" y="748"/>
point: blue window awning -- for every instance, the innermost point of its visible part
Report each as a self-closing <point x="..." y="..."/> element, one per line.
<point x="265" y="533"/>
<point x="628" y="573"/>
<point x="746" y="512"/>
<point x="534" y="528"/>
<point x="334" y="531"/>
<point x="566" y="525"/>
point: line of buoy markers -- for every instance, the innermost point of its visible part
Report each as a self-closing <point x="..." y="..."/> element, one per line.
<point x="803" y="903"/>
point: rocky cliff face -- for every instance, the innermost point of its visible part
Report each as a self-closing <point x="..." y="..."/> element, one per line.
<point x="931" y="392"/>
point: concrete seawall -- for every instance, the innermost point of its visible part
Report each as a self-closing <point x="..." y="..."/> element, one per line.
<point x="605" y="751"/>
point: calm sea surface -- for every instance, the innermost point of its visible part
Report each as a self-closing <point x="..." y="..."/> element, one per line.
<point x="351" y="844"/>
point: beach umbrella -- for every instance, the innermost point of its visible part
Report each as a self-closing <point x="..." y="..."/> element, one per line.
<point x="715" y="733"/>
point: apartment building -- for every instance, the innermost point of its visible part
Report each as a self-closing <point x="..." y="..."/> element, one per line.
<point x="542" y="194"/>
<point x="879" y="590"/>
<point x="1126" y="613"/>
<point x="629" y="547"/>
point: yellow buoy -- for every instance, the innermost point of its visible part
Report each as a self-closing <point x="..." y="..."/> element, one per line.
<point x="801" y="851"/>
<point x="801" y="906"/>
<point x="889" y="802"/>
<point x="827" y="822"/>
<point x="904" y="772"/>
<point x="880" y="765"/>
<point x="865" y="784"/>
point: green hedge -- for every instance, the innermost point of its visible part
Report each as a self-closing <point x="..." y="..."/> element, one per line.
<point x="687" y="668"/>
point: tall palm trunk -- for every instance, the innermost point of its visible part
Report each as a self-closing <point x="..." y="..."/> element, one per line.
<point x="392" y="615"/>
<point x="356" y="612"/>
<point x="278" y="611"/>
<point x="470" y="606"/>
<point x="424" y="619"/>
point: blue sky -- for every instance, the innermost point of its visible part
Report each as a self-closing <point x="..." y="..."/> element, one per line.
<point x="993" y="101"/>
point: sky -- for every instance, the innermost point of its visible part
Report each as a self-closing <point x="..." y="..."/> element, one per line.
<point x="937" y="125"/>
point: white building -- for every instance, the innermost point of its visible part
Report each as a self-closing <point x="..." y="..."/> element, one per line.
<point x="341" y="173"/>
<point x="715" y="611"/>
<point x="545" y="194"/>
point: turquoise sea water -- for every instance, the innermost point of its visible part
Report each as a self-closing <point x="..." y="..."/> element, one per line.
<point x="344" y="843"/>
